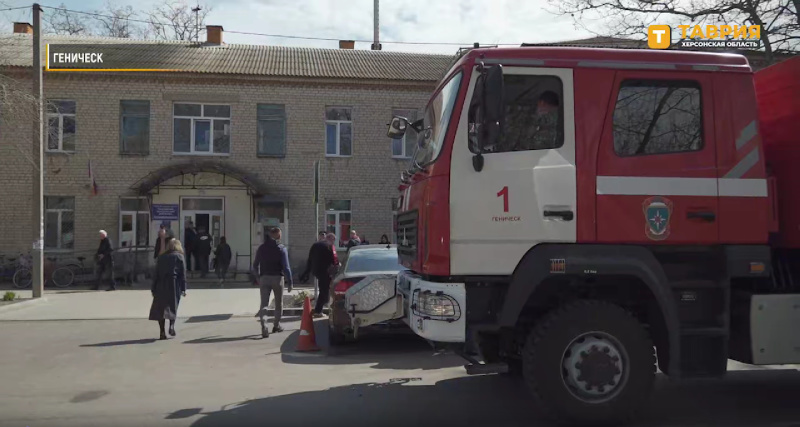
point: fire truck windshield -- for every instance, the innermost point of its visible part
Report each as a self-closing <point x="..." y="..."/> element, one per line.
<point x="437" y="117"/>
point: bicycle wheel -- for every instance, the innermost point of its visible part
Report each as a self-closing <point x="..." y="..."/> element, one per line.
<point x="23" y="278"/>
<point x="63" y="277"/>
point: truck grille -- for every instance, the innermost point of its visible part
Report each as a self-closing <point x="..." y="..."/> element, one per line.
<point x="407" y="235"/>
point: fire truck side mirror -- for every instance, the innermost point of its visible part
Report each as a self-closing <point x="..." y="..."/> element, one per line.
<point x="397" y="127"/>
<point x="493" y="105"/>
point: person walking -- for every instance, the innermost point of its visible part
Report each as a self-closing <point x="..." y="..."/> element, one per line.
<point x="384" y="240"/>
<point x="189" y="240"/>
<point x="105" y="263"/>
<point x="169" y="284"/>
<point x="203" y="251"/>
<point x="321" y="236"/>
<point x="271" y="266"/>
<point x="322" y="261"/>
<point x="222" y="256"/>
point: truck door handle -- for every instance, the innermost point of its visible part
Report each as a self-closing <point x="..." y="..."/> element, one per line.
<point x="564" y="215"/>
<point x="702" y="215"/>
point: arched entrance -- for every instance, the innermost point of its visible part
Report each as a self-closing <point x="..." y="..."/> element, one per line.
<point x="223" y="199"/>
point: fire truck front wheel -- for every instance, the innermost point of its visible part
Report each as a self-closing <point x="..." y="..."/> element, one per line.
<point x="589" y="363"/>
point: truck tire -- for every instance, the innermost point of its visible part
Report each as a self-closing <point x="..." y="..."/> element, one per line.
<point x="589" y="363"/>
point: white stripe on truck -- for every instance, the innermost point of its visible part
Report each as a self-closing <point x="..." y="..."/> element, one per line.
<point x="672" y="186"/>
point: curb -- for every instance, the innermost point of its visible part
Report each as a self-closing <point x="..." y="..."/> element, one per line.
<point x="21" y="304"/>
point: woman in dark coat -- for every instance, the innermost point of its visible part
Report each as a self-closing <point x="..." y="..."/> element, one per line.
<point x="169" y="284"/>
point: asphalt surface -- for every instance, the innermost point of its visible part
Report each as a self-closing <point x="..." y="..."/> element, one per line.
<point x="219" y="372"/>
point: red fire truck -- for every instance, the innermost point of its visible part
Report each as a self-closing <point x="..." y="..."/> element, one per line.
<point x="583" y="217"/>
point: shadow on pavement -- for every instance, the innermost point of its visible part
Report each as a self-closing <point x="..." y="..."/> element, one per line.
<point x="117" y="343"/>
<point x="219" y="339"/>
<point x="398" y="402"/>
<point x="209" y="318"/>
<point x="386" y="350"/>
<point x="745" y="398"/>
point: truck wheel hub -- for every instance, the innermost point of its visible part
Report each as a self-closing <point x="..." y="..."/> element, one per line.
<point x="593" y="367"/>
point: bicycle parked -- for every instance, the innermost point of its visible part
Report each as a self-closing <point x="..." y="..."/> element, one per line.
<point x="60" y="277"/>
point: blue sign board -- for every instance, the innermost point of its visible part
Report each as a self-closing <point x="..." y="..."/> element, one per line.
<point x="165" y="212"/>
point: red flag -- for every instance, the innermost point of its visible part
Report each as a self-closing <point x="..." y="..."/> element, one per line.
<point x="92" y="182"/>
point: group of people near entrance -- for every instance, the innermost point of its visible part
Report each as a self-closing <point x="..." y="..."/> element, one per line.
<point x="271" y="271"/>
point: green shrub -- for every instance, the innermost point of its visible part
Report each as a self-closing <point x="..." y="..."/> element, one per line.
<point x="9" y="296"/>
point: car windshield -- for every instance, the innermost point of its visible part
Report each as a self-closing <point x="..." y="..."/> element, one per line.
<point x="362" y="261"/>
<point x="437" y="117"/>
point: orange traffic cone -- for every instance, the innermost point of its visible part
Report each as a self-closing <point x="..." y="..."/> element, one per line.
<point x="308" y="340"/>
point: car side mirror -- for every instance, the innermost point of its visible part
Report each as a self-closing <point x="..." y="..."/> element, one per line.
<point x="488" y="108"/>
<point x="397" y="127"/>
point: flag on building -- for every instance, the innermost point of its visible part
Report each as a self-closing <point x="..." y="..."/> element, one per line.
<point x="92" y="181"/>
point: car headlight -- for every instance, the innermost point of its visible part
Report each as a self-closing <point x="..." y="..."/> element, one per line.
<point x="437" y="306"/>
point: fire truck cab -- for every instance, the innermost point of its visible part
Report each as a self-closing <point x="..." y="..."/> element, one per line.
<point x="582" y="216"/>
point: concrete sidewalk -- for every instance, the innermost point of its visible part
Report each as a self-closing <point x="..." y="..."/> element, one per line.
<point x="135" y="304"/>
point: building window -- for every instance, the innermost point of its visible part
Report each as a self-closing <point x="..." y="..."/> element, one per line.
<point x="403" y="148"/>
<point x="338" y="219"/>
<point x="201" y="129"/>
<point x="134" y="127"/>
<point x="534" y="118"/>
<point x="59" y="223"/>
<point x="61" y="126"/>
<point x="134" y="222"/>
<point x="657" y="117"/>
<point x="339" y="131"/>
<point x="271" y="130"/>
<point x="395" y="208"/>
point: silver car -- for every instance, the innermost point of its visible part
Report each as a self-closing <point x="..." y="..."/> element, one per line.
<point x="362" y="261"/>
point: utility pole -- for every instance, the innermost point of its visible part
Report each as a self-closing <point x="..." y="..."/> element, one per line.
<point x="37" y="223"/>
<point x="196" y="11"/>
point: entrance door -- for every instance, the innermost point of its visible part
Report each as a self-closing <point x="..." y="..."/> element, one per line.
<point x="205" y="212"/>
<point x="526" y="192"/>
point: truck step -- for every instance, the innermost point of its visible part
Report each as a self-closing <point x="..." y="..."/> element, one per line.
<point x="486" y="368"/>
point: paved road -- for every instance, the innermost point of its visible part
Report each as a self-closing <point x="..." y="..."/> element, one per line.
<point x="220" y="373"/>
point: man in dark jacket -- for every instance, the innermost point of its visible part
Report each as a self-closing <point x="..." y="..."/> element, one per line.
<point x="320" y="263"/>
<point x="105" y="263"/>
<point x="203" y="250"/>
<point x="271" y="266"/>
<point x="189" y="240"/>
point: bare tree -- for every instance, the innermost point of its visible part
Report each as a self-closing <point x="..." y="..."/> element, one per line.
<point x="779" y="19"/>
<point x="176" y="20"/>
<point x="115" y="21"/>
<point x="63" y="22"/>
<point x="20" y="111"/>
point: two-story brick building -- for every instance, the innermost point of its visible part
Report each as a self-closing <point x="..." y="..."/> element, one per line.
<point x="228" y="144"/>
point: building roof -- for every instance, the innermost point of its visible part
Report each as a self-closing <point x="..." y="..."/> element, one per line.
<point x="256" y="60"/>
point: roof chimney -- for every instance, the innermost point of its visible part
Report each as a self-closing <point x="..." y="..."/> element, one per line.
<point x="347" y="44"/>
<point x="376" y="44"/>
<point x="214" y="34"/>
<point x="23" y="28"/>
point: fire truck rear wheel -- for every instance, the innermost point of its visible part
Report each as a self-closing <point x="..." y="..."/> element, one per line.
<point x="589" y="363"/>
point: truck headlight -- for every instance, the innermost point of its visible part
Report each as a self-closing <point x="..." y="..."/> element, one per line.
<point x="436" y="306"/>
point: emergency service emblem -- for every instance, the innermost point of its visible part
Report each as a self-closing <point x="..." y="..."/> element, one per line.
<point x="657" y="213"/>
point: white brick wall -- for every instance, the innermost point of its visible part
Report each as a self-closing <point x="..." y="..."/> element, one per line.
<point x="369" y="178"/>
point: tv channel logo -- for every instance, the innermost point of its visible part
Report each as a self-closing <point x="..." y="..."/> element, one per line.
<point x="659" y="36"/>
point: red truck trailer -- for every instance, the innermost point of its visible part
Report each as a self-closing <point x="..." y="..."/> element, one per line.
<point x="579" y="217"/>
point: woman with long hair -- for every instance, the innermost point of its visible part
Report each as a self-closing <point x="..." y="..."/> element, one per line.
<point x="384" y="240"/>
<point x="169" y="284"/>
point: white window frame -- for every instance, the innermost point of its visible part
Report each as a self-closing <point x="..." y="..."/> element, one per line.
<point x="60" y="117"/>
<point x="135" y="215"/>
<point x="59" y="247"/>
<point x="338" y="222"/>
<point x="403" y="155"/>
<point x="338" y="124"/>
<point x="202" y="117"/>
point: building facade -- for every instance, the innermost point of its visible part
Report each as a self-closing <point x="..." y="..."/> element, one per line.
<point x="231" y="152"/>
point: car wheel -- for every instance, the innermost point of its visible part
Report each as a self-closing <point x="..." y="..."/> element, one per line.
<point x="589" y="362"/>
